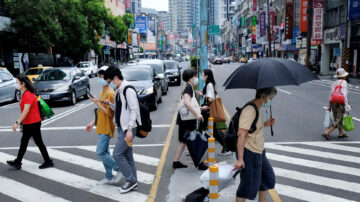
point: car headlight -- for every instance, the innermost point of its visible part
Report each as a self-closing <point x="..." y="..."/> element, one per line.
<point x="63" y="88"/>
<point x="149" y="91"/>
<point x="176" y="73"/>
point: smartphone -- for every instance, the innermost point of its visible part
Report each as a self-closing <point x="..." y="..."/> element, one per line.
<point x="91" y="96"/>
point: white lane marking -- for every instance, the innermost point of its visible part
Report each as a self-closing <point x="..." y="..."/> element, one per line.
<point x="148" y="160"/>
<point x="64" y="115"/>
<point x="77" y="181"/>
<point x="161" y="126"/>
<point x="72" y="147"/>
<point x="143" y="177"/>
<point x="319" y="180"/>
<point x="284" y="91"/>
<point x="24" y="192"/>
<point x="316" y="153"/>
<point x="307" y="195"/>
<point x="334" y="146"/>
<point x="315" y="142"/>
<point x="354" y="118"/>
<point x="313" y="164"/>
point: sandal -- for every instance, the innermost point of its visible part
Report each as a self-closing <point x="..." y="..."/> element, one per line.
<point x="343" y="136"/>
<point x="326" y="136"/>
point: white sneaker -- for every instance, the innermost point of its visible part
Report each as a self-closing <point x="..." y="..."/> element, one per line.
<point x="118" y="177"/>
<point x="229" y="153"/>
<point x="106" y="181"/>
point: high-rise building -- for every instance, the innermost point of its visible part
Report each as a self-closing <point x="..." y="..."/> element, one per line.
<point x="227" y="10"/>
<point x="164" y="21"/>
<point x="181" y="14"/>
<point x="135" y="6"/>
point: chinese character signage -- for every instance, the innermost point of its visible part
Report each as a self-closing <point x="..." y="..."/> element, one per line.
<point x="289" y="14"/>
<point x="354" y="9"/>
<point x="277" y="34"/>
<point x="253" y="29"/>
<point x="318" y="18"/>
<point x="140" y="23"/>
<point x="272" y="21"/>
<point x="262" y="23"/>
<point x="303" y="15"/>
<point x="254" y="5"/>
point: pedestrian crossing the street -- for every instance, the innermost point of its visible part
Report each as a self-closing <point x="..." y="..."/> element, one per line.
<point x="75" y="176"/>
<point x="316" y="171"/>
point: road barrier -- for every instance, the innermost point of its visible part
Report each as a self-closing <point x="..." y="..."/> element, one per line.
<point x="213" y="183"/>
<point x="211" y="143"/>
<point x="211" y="126"/>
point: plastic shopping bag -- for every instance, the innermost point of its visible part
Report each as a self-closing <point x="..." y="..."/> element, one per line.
<point x="348" y="124"/>
<point x="225" y="176"/>
<point x="329" y="118"/>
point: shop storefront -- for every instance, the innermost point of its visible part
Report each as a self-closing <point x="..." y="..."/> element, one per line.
<point x="331" y="51"/>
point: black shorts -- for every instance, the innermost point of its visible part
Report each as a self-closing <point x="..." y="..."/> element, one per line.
<point x="258" y="175"/>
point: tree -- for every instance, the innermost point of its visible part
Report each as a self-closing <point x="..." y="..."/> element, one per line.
<point x="141" y="50"/>
<point x="33" y="26"/>
<point x="117" y="29"/>
<point x="128" y="19"/>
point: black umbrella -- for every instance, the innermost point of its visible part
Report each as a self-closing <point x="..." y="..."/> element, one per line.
<point x="269" y="72"/>
<point x="197" y="145"/>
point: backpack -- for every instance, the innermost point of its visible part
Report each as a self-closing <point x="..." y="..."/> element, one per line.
<point x="146" y="123"/>
<point x="232" y="132"/>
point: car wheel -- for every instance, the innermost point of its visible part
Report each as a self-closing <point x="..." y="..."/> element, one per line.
<point x="17" y="96"/>
<point x="87" y="95"/>
<point x="73" y="98"/>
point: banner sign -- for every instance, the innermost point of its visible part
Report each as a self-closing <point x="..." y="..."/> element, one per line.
<point x="262" y="23"/>
<point x="354" y="9"/>
<point x="254" y="6"/>
<point x="289" y="21"/>
<point x="318" y="20"/>
<point x="272" y="22"/>
<point x="303" y="15"/>
<point x="129" y="37"/>
<point x="253" y="29"/>
<point x="140" y="23"/>
<point x="277" y="34"/>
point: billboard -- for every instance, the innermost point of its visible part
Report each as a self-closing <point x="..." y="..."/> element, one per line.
<point x="289" y="21"/>
<point x="148" y="46"/>
<point x="303" y="15"/>
<point x="354" y="9"/>
<point x="318" y="20"/>
<point x="140" y="23"/>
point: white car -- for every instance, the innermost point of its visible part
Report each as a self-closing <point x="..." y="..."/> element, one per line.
<point x="89" y="68"/>
<point x="8" y="91"/>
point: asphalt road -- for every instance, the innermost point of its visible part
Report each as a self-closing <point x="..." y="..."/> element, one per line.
<point x="308" y="168"/>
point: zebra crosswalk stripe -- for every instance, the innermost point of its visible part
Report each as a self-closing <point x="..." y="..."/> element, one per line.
<point x="78" y="182"/>
<point x="307" y="195"/>
<point x="143" y="177"/>
<point x="23" y="192"/>
<point x="333" y="146"/>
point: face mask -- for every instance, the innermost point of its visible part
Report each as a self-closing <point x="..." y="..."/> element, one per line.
<point x="268" y="104"/>
<point x="112" y="85"/>
<point x="196" y="81"/>
<point x="102" y="82"/>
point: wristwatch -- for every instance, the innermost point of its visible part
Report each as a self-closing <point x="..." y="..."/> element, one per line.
<point x="17" y="122"/>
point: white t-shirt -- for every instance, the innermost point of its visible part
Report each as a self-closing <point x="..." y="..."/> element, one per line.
<point x="210" y="92"/>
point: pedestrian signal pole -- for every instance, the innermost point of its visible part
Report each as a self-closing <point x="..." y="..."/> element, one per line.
<point x="203" y="41"/>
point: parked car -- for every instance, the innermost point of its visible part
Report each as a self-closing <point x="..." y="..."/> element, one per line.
<point x="146" y="82"/>
<point x="217" y="61"/>
<point x="8" y="91"/>
<point x="34" y="72"/>
<point x="173" y="72"/>
<point x="159" y="67"/>
<point x="225" y="60"/>
<point x="243" y="60"/>
<point x="89" y="67"/>
<point x="62" y="84"/>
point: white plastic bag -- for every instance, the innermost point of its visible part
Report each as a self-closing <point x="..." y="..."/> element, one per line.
<point x="225" y="176"/>
<point x="329" y="118"/>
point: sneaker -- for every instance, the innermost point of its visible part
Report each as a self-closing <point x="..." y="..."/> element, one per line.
<point x="203" y="166"/>
<point x="14" y="164"/>
<point x="178" y="164"/>
<point x="107" y="181"/>
<point x="118" y="177"/>
<point x="128" y="186"/>
<point x="47" y="164"/>
<point x="229" y="153"/>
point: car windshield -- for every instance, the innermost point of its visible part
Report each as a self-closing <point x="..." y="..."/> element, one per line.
<point x="157" y="67"/>
<point x="170" y="65"/>
<point x="83" y="65"/>
<point x="33" y="71"/>
<point x="136" y="74"/>
<point x="55" y="75"/>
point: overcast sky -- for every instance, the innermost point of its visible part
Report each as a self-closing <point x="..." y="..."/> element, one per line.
<point x="159" y="5"/>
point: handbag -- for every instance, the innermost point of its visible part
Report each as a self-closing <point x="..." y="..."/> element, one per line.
<point x="45" y="111"/>
<point x="348" y="124"/>
<point x="337" y="97"/>
<point x="185" y="113"/>
<point x="217" y="110"/>
<point x="329" y="118"/>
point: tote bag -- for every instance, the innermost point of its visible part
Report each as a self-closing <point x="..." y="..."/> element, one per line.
<point x="348" y="124"/>
<point x="217" y="110"/>
<point x="185" y="113"/>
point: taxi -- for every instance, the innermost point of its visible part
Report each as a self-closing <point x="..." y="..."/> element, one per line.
<point x="33" y="72"/>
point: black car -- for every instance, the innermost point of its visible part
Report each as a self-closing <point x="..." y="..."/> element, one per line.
<point x="173" y="72"/>
<point x="159" y="67"/>
<point x="62" y="84"/>
<point x="146" y="83"/>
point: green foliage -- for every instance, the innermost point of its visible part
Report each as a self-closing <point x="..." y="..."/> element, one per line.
<point x="128" y="19"/>
<point x="141" y="50"/>
<point x="195" y="62"/>
<point x="117" y="29"/>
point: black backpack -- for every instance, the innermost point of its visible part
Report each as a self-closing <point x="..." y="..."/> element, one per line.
<point x="232" y="133"/>
<point x="146" y="123"/>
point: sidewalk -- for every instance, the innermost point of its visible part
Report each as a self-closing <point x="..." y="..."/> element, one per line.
<point x="184" y="181"/>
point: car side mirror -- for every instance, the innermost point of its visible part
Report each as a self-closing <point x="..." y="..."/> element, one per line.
<point x="180" y="67"/>
<point x="157" y="78"/>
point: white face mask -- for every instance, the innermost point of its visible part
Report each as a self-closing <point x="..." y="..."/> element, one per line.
<point x="196" y="81"/>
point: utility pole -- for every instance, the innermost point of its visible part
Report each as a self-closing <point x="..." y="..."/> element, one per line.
<point x="203" y="40"/>
<point x="269" y="26"/>
<point x="308" y="37"/>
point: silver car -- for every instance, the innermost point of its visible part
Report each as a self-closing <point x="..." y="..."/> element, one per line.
<point x="8" y="91"/>
<point x="89" y="68"/>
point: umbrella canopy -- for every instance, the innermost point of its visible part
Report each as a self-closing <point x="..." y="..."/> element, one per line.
<point x="269" y="72"/>
<point x="197" y="145"/>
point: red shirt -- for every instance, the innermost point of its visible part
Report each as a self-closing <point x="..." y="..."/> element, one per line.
<point x="34" y="115"/>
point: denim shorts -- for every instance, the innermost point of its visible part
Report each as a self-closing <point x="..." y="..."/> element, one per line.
<point x="258" y="175"/>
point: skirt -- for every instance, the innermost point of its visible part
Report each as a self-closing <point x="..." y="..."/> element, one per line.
<point x="339" y="112"/>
